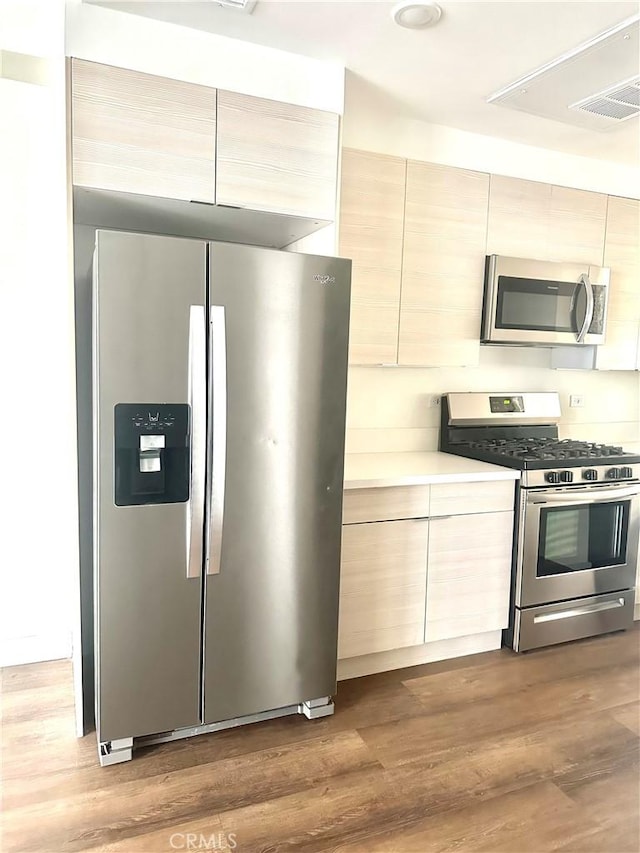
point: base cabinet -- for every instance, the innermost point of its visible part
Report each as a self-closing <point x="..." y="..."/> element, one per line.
<point x="439" y="570"/>
<point x="383" y="585"/>
<point x="469" y="559"/>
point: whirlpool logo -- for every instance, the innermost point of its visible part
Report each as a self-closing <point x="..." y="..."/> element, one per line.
<point x="324" y="279"/>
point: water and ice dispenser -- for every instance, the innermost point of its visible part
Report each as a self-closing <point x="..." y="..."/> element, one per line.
<point x="152" y="453"/>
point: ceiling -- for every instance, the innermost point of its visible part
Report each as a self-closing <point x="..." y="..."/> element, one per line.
<point x="441" y="75"/>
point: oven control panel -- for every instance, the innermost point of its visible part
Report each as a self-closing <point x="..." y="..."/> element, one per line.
<point x="585" y="475"/>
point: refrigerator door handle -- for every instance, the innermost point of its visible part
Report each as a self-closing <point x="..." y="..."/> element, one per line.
<point x="218" y="421"/>
<point x="197" y="385"/>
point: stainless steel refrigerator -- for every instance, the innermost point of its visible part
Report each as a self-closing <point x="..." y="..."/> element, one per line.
<point x="219" y="416"/>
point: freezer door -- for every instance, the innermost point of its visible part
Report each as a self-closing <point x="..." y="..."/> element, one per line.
<point x="278" y="371"/>
<point x="150" y="348"/>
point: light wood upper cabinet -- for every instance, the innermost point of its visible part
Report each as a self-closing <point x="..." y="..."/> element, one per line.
<point x="139" y="133"/>
<point x="469" y="575"/>
<point x="622" y="254"/>
<point x="443" y="265"/>
<point x="518" y="224"/>
<point x="528" y="219"/>
<point x="577" y="222"/>
<point x="277" y="157"/>
<point x="382" y="586"/>
<point x="371" y="225"/>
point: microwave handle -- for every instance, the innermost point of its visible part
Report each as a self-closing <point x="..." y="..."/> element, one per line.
<point x="588" y="314"/>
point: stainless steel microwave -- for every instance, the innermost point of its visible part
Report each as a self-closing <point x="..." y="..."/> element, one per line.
<point x="543" y="303"/>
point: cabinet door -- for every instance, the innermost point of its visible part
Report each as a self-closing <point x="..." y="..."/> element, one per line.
<point x="469" y="575"/>
<point x="277" y="157"/>
<point x="382" y="586"/>
<point x="577" y="221"/>
<point x="138" y="133"/>
<point x="528" y="219"/>
<point x="443" y="265"/>
<point x="622" y="254"/>
<point x="371" y="219"/>
<point x="518" y="224"/>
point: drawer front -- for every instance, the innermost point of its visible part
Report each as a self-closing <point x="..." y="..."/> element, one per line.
<point x="465" y="498"/>
<point x="385" y="504"/>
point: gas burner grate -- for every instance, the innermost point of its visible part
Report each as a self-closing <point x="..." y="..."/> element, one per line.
<point x="546" y="448"/>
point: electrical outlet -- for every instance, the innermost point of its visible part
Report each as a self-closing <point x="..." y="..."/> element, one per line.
<point x="435" y="402"/>
<point x="576" y="401"/>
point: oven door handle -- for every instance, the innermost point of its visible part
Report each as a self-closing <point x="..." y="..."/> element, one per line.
<point x="588" y="314"/>
<point x="585" y="497"/>
<point x="598" y="607"/>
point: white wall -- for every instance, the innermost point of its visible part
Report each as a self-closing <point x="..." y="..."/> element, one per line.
<point x="38" y="538"/>
<point x="373" y="124"/>
<point x="389" y="408"/>
<point x="156" y="47"/>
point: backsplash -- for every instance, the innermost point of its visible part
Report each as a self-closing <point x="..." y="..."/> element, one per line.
<point x="389" y="409"/>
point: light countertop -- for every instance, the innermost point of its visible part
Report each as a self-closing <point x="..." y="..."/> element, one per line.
<point x="368" y="470"/>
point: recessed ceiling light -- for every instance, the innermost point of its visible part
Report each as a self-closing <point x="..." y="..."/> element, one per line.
<point x="415" y="15"/>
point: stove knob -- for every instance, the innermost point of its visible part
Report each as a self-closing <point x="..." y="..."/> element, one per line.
<point x="566" y="476"/>
<point x="552" y="477"/>
<point x="613" y="474"/>
<point x="626" y="472"/>
<point x="590" y="474"/>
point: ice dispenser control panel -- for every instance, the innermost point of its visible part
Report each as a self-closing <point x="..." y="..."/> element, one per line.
<point x="152" y="453"/>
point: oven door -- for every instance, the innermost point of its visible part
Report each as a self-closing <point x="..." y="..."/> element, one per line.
<point x="577" y="541"/>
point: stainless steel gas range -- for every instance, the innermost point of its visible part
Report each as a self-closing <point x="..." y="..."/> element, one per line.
<point x="577" y="515"/>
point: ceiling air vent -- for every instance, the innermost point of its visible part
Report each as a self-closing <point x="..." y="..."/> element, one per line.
<point x="595" y="85"/>
<point x="618" y="102"/>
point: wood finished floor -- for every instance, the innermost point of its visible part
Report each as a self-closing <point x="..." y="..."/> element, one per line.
<point x="494" y="752"/>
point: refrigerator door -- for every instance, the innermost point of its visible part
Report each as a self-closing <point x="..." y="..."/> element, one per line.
<point x="278" y="371"/>
<point x="149" y="340"/>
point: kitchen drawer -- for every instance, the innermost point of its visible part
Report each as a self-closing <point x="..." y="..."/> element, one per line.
<point x="386" y="503"/>
<point x="465" y="498"/>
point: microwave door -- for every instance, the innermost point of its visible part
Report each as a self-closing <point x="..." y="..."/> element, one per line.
<point x="539" y="311"/>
